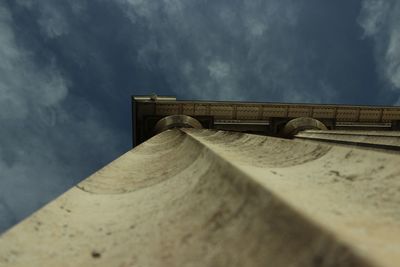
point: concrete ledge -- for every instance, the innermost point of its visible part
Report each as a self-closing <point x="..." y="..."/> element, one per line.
<point x="385" y="140"/>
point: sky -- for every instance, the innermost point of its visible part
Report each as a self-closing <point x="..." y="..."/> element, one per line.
<point x="69" y="67"/>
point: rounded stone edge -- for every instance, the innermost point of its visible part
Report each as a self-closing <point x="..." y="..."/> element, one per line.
<point x="176" y="121"/>
<point x="296" y="125"/>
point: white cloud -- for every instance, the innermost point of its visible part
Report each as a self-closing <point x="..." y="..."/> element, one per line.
<point x="223" y="51"/>
<point x="392" y="56"/>
<point x="380" y="20"/>
<point x="22" y="84"/>
<point x="24" y="89"/>
<point x="44" y="147"/>
<point x="219" y="70"/>
<point x="373" y="15"/>
<point x="53" y="22"/>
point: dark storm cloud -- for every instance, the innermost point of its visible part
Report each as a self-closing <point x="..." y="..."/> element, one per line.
<point x="68" y="68"/>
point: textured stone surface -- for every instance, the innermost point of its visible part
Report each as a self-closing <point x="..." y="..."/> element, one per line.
<point x="389" y="140"/>
<point x="202" y="198"/>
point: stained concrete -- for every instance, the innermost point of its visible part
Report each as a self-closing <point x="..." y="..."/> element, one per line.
<point x="201" y="198"/>
<point x="377" y="139"/>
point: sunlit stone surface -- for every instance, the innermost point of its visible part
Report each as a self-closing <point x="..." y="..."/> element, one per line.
<point x="204" y="198"/>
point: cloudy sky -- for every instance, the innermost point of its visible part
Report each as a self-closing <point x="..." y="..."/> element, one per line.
<point x="69" y="67"/>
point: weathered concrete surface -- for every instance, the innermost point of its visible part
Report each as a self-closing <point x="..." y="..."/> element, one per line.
<point x="203" y="198"/>
<point x="378" y="139"/>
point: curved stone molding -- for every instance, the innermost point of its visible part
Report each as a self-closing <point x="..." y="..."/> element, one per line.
<point x="296" y="125"/>
<point x="176" y="121"/>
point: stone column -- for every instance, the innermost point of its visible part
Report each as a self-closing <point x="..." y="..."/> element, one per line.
<point x="195" y="197"/>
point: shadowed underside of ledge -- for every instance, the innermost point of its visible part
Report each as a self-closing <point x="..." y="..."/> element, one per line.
<point x="203" y="198"/>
